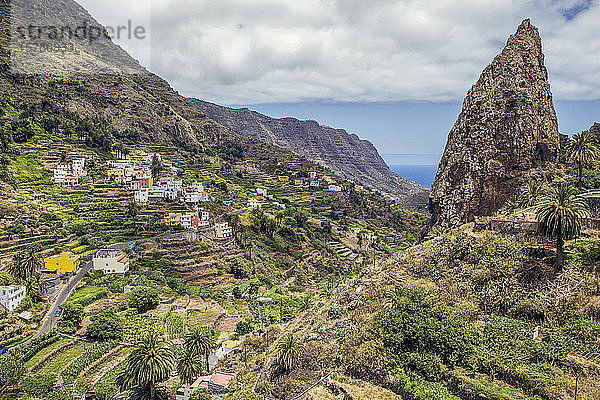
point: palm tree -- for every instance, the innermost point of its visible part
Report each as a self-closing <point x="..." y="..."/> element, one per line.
<point x="514" y="203"/>
<point x="288" y="351"/>
<point x="147" y="365"/>
<point x="583" y="150"/>
<point x="533" y="192"/>
<point x="189" y="365"/>
<point x="36" y="287"/>
<point x="200" y="341"/>
<point x="26" y="262"/>
<point x="560" y="215"/>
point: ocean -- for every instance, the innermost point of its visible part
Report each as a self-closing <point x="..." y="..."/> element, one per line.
<point x="421" y="174"/>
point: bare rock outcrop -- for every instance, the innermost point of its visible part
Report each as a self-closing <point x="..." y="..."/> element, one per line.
<point x="507" y="128"/>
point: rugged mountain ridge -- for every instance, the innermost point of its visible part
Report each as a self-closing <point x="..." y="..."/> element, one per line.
<point x="506" y="131"/>
<point x="96" y="78"/>
<point x="345" y="154"/>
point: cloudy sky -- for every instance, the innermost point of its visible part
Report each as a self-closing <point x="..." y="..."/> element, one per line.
<point x="392" y="71"/>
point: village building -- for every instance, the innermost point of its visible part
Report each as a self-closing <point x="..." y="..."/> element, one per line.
<point x="223" y="230"/>
<point x="141" y="196"/>
<point x="116" y="174"/>
<point x="111" y="261"/>
<point x="185" y="392"/>
<point x="334" y="188"/>
<point x="63" y="263"/>
<point x="253" y="203"/>
<point x="51" y="280"/>
<point x="12" y="296"/>
<point x="172" y="219"/>
<point x="68" y="175"/>
<point x="128" y="289"/>
<point x="261" y="191"/>
<point x="219" y="382"/>
<point x="283" y="178"/>
<point x="156" y="193"/>
<point x="312" y="175"/>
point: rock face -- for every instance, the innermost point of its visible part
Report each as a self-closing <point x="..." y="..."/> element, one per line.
<point x="507" y="129"/>
<point x="345" y="154"/>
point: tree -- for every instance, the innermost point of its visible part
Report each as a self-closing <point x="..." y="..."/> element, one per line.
<point x="202" y="394"/>
<point x="189" y="366"/>
<point x="36" y="287"/>
<point x="583" y="150"/>
<point x="72" y="315"/>
<point x="105" y="326"/>
<point x="560" y="215"/>
<point x="26" y="262"/>
<point x="533" y="193"/>
<point x="11" y="372"/>
<point x="514" y="203"/>
<point x="201" y="341"/>
<point x="156" y="166"/>
<point x="288" y="351"/>
<point x="149" y="364"/>
<point x="143" y="298"/>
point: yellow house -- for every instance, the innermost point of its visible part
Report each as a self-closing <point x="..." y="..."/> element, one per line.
<point x="116" y="173"/>
<point x="172" y="219"/>
<point x="63" y="263"/>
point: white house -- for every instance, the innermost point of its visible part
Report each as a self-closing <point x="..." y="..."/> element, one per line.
<point x="79" y="165"/>
<point x="261" y="191"/>
<point x="156" y="193"/>
<point x="111" y="261"/>
<point x="186" y="220"/>
<point x="12" y="296"/>
<point x="253" y="203"/>
<point x="204" y="218"/>
<point x="197" y="187"/>
<point x="141" y="196"/>
<point x="223" y="230"/>
<point x="334" y="188"/>
<point x="184" y="392"/>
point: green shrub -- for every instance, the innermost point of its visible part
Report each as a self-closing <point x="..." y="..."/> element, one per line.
<point x="412" y="387"/>
<point x="534" y="309"/>
<point x="38" y="383"/>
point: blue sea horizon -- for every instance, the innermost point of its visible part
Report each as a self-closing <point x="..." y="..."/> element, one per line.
<point x="424" y="175"/>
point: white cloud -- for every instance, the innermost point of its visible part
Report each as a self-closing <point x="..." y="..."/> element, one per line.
<point x="257" y="51"/>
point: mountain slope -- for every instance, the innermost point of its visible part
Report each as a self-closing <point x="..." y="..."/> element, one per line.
<point x="98" y="79"/>
<point x="506" y="130"/>
<point x="345" y="154"/>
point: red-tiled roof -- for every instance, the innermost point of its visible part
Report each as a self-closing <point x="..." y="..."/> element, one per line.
<point x="221" y="378"/>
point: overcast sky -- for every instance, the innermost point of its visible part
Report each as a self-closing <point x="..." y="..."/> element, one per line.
<point x="395" y="70"/>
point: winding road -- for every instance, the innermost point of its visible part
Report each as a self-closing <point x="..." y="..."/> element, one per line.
<point x="50" y="320"/>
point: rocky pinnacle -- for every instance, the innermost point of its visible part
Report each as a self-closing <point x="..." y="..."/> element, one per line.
<point x="506" y="130"/>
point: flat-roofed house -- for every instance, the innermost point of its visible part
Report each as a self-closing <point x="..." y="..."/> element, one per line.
<point x="63" y="263"/>
<point x="11" y="296"/>
<point x="223" y="230"/>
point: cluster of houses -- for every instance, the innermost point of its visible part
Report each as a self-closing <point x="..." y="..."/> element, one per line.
<point x="314" y="181"/>
<point x="129" y="173"/>
<point x="218" y="381"/>
<point x="70" y="174"/>
<point x="193" y="220"/>
<point x="171" y="189"/>
<point x="147" y="189"/>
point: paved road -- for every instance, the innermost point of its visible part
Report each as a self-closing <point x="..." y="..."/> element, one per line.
<point x="50" y="320"/>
